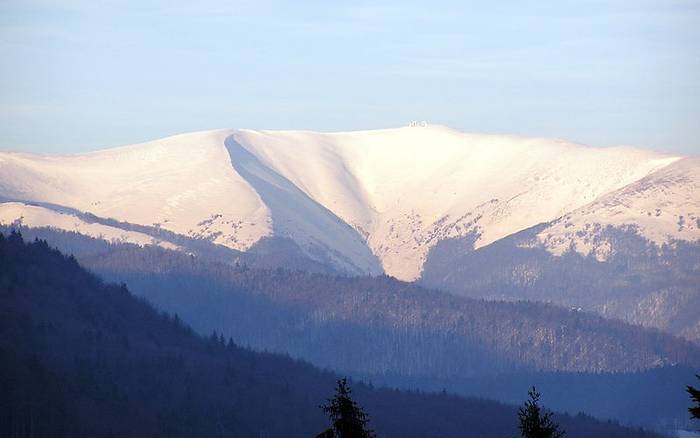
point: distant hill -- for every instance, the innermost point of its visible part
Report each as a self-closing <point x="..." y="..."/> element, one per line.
<point x="426" y="332"/>
<point x="83" y="358"/>
<point x="637" y="282"/>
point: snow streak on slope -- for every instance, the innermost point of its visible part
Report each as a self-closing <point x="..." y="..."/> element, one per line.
<point x="349" y="197"/>
<point x="298" y="217"/>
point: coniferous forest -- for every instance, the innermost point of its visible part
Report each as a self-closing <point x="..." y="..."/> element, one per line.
<point x="84" y="358"/>
<point x="400" y="335"/>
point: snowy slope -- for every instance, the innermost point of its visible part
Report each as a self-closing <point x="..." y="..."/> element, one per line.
<point x="178" y="182"/>
<point x="664" y="205"/>
<point x="406" y="189"/>
<point x="364" y="198"/>
<point x="185" y="184"/>
<point x="18" y="214"/>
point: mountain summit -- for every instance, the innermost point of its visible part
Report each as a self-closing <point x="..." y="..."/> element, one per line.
<point x="364" y="202"/>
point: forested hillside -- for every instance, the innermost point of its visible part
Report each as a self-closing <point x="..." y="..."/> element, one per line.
<point x="389" y="325"/>
<point x="639" y="282"/>
<point x="83" y="358"/>
<point x="305" y="316"/>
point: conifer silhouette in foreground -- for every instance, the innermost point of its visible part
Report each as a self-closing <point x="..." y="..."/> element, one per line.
<point x="348" y="420"/>
<point x="535" y="422"/>
<point x="695" y="396"/>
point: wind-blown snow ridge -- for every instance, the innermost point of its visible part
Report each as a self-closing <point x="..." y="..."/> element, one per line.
<point x="362" y="198"/>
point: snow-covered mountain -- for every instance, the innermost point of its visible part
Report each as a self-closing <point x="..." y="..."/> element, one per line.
<point x="367" y="201"/>
<point x="613" y="230"/>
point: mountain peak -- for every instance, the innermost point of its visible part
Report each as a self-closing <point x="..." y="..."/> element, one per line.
<point x="363" y="198"/>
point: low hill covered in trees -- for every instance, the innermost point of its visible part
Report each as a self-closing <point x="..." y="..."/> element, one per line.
<point x="387" y="325"/>
<point x="79" y="357"/>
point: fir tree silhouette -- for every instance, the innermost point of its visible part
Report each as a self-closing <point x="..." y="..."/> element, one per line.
<point x="695" y="397"/>
<point x="535" y="422"/>
<point x="348" y="419"/>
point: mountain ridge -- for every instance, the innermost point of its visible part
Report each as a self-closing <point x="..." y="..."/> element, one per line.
<point x="368" y="201"/>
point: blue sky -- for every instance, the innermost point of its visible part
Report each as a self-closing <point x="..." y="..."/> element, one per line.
<point x="83" y="75"/>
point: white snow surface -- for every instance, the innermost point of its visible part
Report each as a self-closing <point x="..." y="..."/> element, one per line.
<point x="664" y="205"/>
<point x="369" y="197"/>
<point x="15" y="213"/>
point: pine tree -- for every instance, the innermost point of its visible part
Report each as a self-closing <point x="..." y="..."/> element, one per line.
<point x="695" y="397"/>
<point x="534" y="421"/>
<point x="348" y="419"/>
